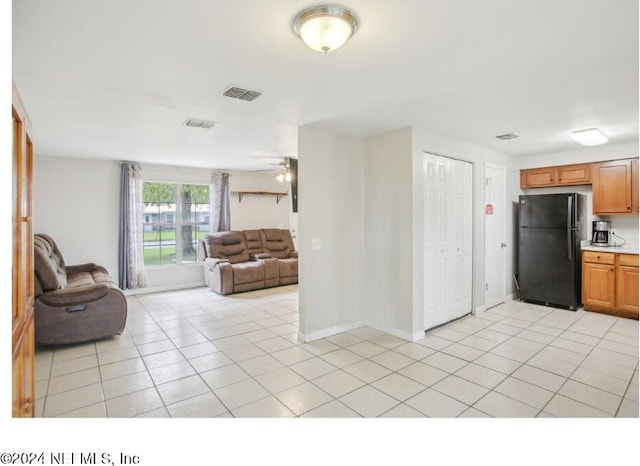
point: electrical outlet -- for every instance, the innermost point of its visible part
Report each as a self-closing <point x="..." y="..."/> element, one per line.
<point x="613" y="232"/>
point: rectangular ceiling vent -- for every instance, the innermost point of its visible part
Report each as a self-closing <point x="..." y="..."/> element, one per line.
<point x="193" y="123"/>
<point x="506" y="137"/>
<point x="242" y="94"/>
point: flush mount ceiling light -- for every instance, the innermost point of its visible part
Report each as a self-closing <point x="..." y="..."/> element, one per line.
<point x="589" y="137"/>
<point x="325" y="28"/>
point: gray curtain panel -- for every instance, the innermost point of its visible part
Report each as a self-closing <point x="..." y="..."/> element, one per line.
<point x="219" y="216"/>
<point x="130" y="242"/>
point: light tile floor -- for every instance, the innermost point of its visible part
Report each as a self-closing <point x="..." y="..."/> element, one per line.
<point x="193" y="353"/>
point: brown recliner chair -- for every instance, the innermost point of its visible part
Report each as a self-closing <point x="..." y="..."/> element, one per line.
<point x="73" y="304"/>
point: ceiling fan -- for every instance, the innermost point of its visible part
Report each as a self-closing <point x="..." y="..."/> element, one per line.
<point x="282" y="168"/>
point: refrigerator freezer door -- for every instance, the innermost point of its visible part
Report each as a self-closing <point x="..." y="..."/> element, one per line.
<point x="548" y="210"/>
<point x="546" y="273"/>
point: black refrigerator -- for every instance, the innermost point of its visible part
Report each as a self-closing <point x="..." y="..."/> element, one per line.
<point x="550" y="229"/>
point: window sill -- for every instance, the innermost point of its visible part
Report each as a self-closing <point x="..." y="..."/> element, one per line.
<point x="172" y="266"/>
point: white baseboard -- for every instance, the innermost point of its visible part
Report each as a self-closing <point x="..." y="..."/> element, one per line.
<point x="397" y="333"/>
<point x="479" y="310"/>
<point x="327" y="332"/>
<point x="157" y="289"/>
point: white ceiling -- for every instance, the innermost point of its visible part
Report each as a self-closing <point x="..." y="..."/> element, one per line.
<point x="114" y="79"/>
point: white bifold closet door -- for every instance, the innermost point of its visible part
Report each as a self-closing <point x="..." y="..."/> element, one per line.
<point x="447" y="239"/>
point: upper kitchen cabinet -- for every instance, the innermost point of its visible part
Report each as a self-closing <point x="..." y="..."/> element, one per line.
<point x="574" y="174"/>
<point x="564" y="175"/>
<point x="539" y="177"/>
<point x="614" y="187"/>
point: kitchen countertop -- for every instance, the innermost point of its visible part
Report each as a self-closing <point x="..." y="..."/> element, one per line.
<point x="624" y="249"/>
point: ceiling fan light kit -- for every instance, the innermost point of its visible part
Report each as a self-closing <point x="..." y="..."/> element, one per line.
<point x="325" y="28"/>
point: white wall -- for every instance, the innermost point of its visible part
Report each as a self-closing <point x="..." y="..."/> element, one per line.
<point x="337" y="185"/>
<point x="583" y="154"/>
<point x="388" y="232"/>
<point x="77" y="202"/>
<point x="258" y="211"/>
<point x="625" y="225"/>
<point x="331" y="210"/>
<point x="427" y="141"/>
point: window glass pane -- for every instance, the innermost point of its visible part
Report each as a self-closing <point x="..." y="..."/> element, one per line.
<point x="159" y="231"/>
<point x="194" y="207"/>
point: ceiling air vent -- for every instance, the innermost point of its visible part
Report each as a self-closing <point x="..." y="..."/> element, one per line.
<point x="192" y="122"/>
<point x="506" y="137"/>
<point x="242" y="94"/>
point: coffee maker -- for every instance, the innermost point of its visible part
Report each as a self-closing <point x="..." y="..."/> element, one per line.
<point x="600" y="233"/>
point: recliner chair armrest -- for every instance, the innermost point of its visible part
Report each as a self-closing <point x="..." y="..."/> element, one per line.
<point x="78" y="295"/>
<point x="294" y="254"/>
<point x="213" y="262"/>
<point x="88" y="267"/>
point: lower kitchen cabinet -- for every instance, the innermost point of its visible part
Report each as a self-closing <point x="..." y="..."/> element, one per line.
<point x="610" y="283"/>
<point x="627" y="284"/>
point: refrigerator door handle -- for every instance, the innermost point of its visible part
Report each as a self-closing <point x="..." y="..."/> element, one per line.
<point x="569" y="228"/>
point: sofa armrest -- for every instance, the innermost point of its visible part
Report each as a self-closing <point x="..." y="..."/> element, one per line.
<point x="260" y="255"/>
<point x="213" y="262"/>
<point x="77" y="295"/>
<point x="294" y="254"/>
<point x="88" y="267"/>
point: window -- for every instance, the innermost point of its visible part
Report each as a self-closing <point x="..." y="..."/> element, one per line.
<point x="177" y="222"/>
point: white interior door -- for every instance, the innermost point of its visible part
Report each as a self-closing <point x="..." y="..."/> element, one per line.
<point x="495" y="235"/>
<point x="447" y="239"/>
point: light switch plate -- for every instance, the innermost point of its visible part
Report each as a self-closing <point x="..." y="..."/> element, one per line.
<point x="316" y="243"/>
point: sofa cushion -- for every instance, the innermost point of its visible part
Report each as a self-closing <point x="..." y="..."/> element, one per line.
<point x="272" y="234"/>
<point x="248" y="272"/>
<point x="81" y="279"/>
<point x="231" y="237"/>
<point x="252" y="238"/>
<point x="277" y="242"/>
<point x="288" y="267"/>
<point x="48" y="264"/>
<point x="227" y="245"/>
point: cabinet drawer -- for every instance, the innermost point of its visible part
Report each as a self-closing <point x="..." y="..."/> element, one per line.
<point x="598" y="257"/>
<point x="629" y="259"/>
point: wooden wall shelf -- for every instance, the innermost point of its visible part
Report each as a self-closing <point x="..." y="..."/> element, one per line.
<point x="241" y="194"/>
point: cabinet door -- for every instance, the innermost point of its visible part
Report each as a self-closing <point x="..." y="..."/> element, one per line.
<point x="627" y="283"/>
<point x="23" y="375"/>
<point x="612" y="187"/>
<point x="635" y="207"/>
<point x="574" y="174"/>
<point x="22" y="261"/>
<point x="598" y="285"/>
<point x="538" y="177"/>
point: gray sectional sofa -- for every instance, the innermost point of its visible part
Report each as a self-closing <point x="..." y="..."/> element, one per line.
<point x="236" y="261"/>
